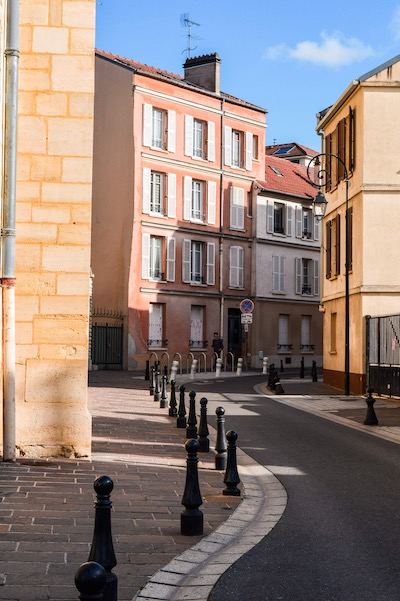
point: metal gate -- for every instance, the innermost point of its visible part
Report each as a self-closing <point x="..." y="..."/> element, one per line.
<point x="107" y="346"/>
<point x="383" y="354"/>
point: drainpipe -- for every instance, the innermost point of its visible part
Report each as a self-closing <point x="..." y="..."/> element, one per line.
<point x="221" y="223"/>
<point x="8" y="229"/>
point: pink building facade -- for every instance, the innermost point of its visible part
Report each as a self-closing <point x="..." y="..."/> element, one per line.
<point x="174" y="164"/>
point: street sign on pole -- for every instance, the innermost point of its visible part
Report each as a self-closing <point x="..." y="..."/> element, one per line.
<point x="246" y="318"/>
<point x="246" y="306"/>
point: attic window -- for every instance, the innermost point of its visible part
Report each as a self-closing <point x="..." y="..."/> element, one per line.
<point x="275" y="170"/>
<point x="283" y="150"/>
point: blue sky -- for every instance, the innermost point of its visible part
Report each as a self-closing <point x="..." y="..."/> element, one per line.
<point x="291" y="58"/>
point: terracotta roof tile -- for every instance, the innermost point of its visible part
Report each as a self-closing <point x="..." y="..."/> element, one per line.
<point x="287" y="178"/>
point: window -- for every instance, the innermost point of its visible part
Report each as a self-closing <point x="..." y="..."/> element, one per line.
<point x="332" y="255"/>
<point x="307" y="220"/>
<point x="198" y="205"/>
<point x="199" y="138"/>
<point x="156" y="326"/>
<point x="283" y="334"/>
<point x="278" y="274"/>
<point x="333" y="332"/>
<point x="159" y="128"/>
<point x="158" y="258"/>
<point x="159" y="193"/>
<point x="198" y="262"/>
<point x="255" y="148"/>
<point x="279" y="218"/>
<point x="237" y="208"/>
<point x="305" y="340"/>
<point x="307" y="276"/>
<point x="238" y="149"/>
<point x="341" y="142"/>
<point x="236" y="264"/>
<point x="197" y="327"/>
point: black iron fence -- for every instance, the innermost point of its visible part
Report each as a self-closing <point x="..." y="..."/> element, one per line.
<point x="383" y="354"/>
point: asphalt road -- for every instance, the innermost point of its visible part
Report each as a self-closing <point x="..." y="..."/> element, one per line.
<point x="339" y="537"/>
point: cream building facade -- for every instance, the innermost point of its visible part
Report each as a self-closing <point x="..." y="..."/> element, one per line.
<point x="53" y="218"/>
<point x="361" y="128"/>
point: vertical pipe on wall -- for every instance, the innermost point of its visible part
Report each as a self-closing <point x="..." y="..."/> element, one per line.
<point x="221" y="224"/>
<point x="8" y="228"/>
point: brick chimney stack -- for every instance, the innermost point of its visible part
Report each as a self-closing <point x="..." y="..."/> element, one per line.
<point x="204" y="71"/>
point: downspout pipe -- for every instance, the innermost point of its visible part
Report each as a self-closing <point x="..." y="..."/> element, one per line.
<point x="8" y="229"/>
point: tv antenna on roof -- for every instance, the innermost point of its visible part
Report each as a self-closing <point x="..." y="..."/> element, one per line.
<point x="186" y="22"/>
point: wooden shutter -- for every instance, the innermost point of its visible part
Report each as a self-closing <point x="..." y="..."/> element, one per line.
<point x="156" y="322"/>
<point x="187" y="197"/>
<point x="210" y="263"/>
<point x="171" y="259"/>
<point x="299" y="222"/>
<point x="233" y="266"/>
<point x="341" y="150"/>
<point x="275" y="273"/>
<point x="227" y="145"/>
<point x="281" y="267"/>
<point x="171" y="133"/>
<point x="316" y="277"/>
<point x="317" y="228"/>
<point x="186" y="244"/>
<point x="146" y="188"/>
<point x="145" y="256"/>
<point x="248" y="151"/>
<point x="336" y="243"/>
<point x="147" y="124"/>
<point x="352" y="140"/>
<point x="328" y="256"/>
<point x="237" y="208"/>
<point x="289" y="220"/>
<point x="211" y="141"/>
<point x="171" y="195"/>
<point x="188" y="135"/>
<point x="211" y="202"/>
<point x="328" y="162"/>
<point x="270" y="217"/>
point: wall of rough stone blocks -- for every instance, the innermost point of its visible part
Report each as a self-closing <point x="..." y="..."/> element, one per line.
<point x="54" y="166"/>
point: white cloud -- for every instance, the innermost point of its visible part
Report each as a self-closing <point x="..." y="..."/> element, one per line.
<point x="394" y="25"/>
<point x="333" y="51"/>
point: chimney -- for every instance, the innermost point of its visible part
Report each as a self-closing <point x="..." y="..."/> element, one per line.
<point x="204" y="71"/>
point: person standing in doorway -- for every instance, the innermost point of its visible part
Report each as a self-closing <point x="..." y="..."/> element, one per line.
<point x="218" y="345"/>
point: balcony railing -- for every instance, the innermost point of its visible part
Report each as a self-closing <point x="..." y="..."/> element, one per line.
<point x="285" y="347"/>
<point x="306" y="289"/>
<point x="157" y="343"/>
<point x="198" y="344"/>
<point x="307" y="347"/>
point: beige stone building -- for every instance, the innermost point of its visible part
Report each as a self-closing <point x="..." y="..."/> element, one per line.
<point x="361" y="128"/>
<point x="45" y="384"/>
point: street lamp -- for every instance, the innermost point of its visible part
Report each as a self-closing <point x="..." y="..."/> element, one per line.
<point x="320" y="178"/>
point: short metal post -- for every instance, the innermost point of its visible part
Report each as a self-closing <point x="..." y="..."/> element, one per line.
<point x="265" y="365"/>
<point x="220" y="445"/>
<point x="231" y="474"/>
<point x="302" y="368"/>
<point x="218" y="367"/>
<point x="172" y="401"/>
<point x="191" y="430"/>
<point x="151" y="386"/>
<point x="271" y="382"/>
<point x="181" y="419"/>
<point x="163" y="398"/>
<point x="102" y="549"/>
<point x="157" y="391"/>
<point x="192" y="516"/>
<point x="239" y="366"/>
<point x="314" y="372"/>
<point x="147" y="372"/>
<point x="91" y="580"/>
<point x="204" y="443"/>
<point x="371" y="419"/>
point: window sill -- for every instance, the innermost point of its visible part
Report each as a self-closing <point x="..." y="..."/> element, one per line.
<point x="236" y="229"/>
<point x="333" y="352"/>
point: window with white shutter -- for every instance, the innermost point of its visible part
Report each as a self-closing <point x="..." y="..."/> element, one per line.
<point x="283" y="333"/>
<point x="196" y="326"/>
<point x="186" y="271"/>
<point x="171" y="131"/>
<point x="299" y="224"/>
<point x="171" y="259"/>
<point x="146" y="190"/>
<point x="236" y="255"/>
<point x="249" y="151"/>
<point x="305" y="333"/>
<point x="278" y="274"/>
<point x="270" y="217"/>
<point x="210" y="263"/>
<point x="237" y="208"/>
<point x="227" y="145"/>
<point x="211" y="202"/>
<point x="156" y="311"/>
<point x="171" y="179"/>
<point x="189" y="135"/>
<point x="211" y="141"/>
<point x="145" y="256"/>
<point x="316" y="277"/>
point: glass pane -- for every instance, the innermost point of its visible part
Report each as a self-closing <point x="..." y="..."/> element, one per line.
<point x="157" y="138"/>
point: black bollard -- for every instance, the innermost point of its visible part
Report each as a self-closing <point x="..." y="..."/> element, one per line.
<point x="102" y="549"/>
<point x="151" y="383"/>
<point x="163" y="398"/>
<point x="157" y="390"/>
<point x="204" y="443"/>
<point x="90" y="580"/>
<point x="147" y="372"/>
<point x="220" y="445"/>
<point x="371" y="419"/>
<point x="302" y="368"/>
<point x="181" y="419"/>
<point x="281" y="366"/>
<point x="231" y="474"/>
<point x="191" y="430"/>
<point x="172" y="401"/>
<point x="271" y="376"/>
<point x="166" y="372"/>
<point x="314" y="376"/>
<point x="192" y="516"/>
<point x="278" y="387"/>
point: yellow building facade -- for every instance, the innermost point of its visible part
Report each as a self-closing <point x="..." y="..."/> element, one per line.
<point x="361" y="129"/>
<point x="53" y="218"/>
